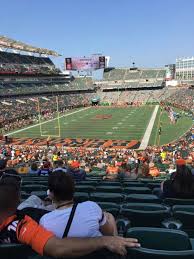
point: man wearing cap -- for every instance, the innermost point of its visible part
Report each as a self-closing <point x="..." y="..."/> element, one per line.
<point x="77" y="173"/>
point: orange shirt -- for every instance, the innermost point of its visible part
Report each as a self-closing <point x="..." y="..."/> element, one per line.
<point x="112" y="169"/>
<point x="29" y="232"/>
<point x="153" y="171"/>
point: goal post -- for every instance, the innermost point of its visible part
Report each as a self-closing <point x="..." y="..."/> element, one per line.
<point x="43" y="122"/>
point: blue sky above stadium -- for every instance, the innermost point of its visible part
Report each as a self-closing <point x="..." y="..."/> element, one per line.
<point x="148" y="32"/>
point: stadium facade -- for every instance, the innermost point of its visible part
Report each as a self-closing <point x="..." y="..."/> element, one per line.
<point x="185" y="69"/>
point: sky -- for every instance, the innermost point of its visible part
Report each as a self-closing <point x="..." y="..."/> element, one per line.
<point x="150" y="33"/>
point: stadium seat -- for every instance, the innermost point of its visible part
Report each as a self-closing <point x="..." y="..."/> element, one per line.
<point x="106" y="197"/>
<point x="81" y="196"/>
<point x="143" y="198"/>
<point x="109" y="188"/>
<point x="133" y="184"/>
<point x="140" y="190"/>
<point x="185" y="214"/>
<point x="161" y="238"/>
<point x="172" y="201"/>
<point x="145" y="214"/>
<point x="153" y="185"/>
<point x="15" y="251"/>
<point x="111" y="207"/>
<point x="109" y="183"/>
<point x="84" y="188"/>
<point x="87" y="182"/>
<point x="157" y="243"/>
<point x="34" y="187"/>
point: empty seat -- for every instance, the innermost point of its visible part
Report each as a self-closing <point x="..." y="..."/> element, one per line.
<point x="109" y="183"/>
<point x="111" y="207"/>
<point x="153" y="185"/>
<point x="84" y="188"/>
<point x="87" y="182"/>
<point x="106" y="197"/>
<point x="143" y="190"/>
<point x="144" y="198"/>
<point x="145" y="214"/>
<point x="34" y="187"/>
<point x="15" y="251"/>
<point x="172" y="201"/>
<point x="81" y="196"/>
<point x="108" y="188"/>
<point x="133" y="184"/>
<point x="185" y="214"/>
<point x="158" y="243"/>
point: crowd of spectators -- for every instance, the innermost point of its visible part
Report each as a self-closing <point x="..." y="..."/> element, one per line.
<point x="15" y="113"/>
<point x="118" y="163"/>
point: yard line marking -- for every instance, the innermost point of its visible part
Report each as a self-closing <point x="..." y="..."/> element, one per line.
<point x="33" y="126"/>
<point x="146" y="137"/>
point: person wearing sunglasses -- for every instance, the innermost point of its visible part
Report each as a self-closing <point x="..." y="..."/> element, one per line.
<point x="16" y="227"/>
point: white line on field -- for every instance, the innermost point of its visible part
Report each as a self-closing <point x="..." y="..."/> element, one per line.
<point x="33" y="126"/>
<point x="148" y="131"/>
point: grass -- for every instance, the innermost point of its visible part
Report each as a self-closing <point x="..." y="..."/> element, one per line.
<point x="124" y="124"/>
<point x="170" y="132"/>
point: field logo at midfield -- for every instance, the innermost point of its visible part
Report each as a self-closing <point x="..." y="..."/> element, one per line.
<point x="102" y="117"/>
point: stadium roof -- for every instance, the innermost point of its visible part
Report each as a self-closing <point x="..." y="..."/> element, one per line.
<point x="6" y="42"/>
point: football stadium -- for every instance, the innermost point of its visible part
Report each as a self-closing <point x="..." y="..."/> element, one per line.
<point x="96" y="157"/>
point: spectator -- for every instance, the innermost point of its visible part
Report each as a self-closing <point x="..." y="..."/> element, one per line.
<point x="3" y="164"/>
<point x="77" y="173"/>
<point x="59" y="166"/>
<point x="88" y="220"/>
<point x="181" y="184"/>
<point x="27" y="231"/>
<point x="45" y="168"/>
<point x="34" y="169"/>
<point x="112" y="171"/>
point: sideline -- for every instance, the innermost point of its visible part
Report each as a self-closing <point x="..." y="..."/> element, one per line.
<point x="147" y="134"/>
<point x="33" y="126"/>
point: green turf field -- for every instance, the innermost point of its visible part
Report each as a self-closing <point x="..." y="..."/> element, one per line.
<point x="122" y="124"/>
<point x="170" y="132"/>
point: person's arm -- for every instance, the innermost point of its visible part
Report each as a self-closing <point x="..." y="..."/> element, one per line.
<point x="162" y="186"/>
<point x="75" y="247"/>
<point x="110" y="227"/>
<point x="45" y="243"/>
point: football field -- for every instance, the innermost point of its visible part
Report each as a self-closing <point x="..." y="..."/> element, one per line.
<point x="115" y="123"/>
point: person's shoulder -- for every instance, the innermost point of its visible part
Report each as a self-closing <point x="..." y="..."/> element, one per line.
<point x="48" y="215"/>
<point x="89" y="205"/>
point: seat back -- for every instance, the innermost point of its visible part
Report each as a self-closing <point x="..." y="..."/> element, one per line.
<point x="137" y="189"/>
<point x="106" y="197"/>
<point x="109" y="188"/>
<point x="161" y="239"/>
<point x="144" y="253"/>
<point x="81" y="196"/>
<point x="110" y="207"/>
<point x="84" y="188"/>
<point x="15" y="251"/>
<point x="145" y="214"/>
<point x="144" y="198"/>
<point x="186" y="217"/>
<point x="172" y="201"/>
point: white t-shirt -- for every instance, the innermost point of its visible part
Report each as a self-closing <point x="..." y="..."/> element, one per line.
<point x="87" y="220"/>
